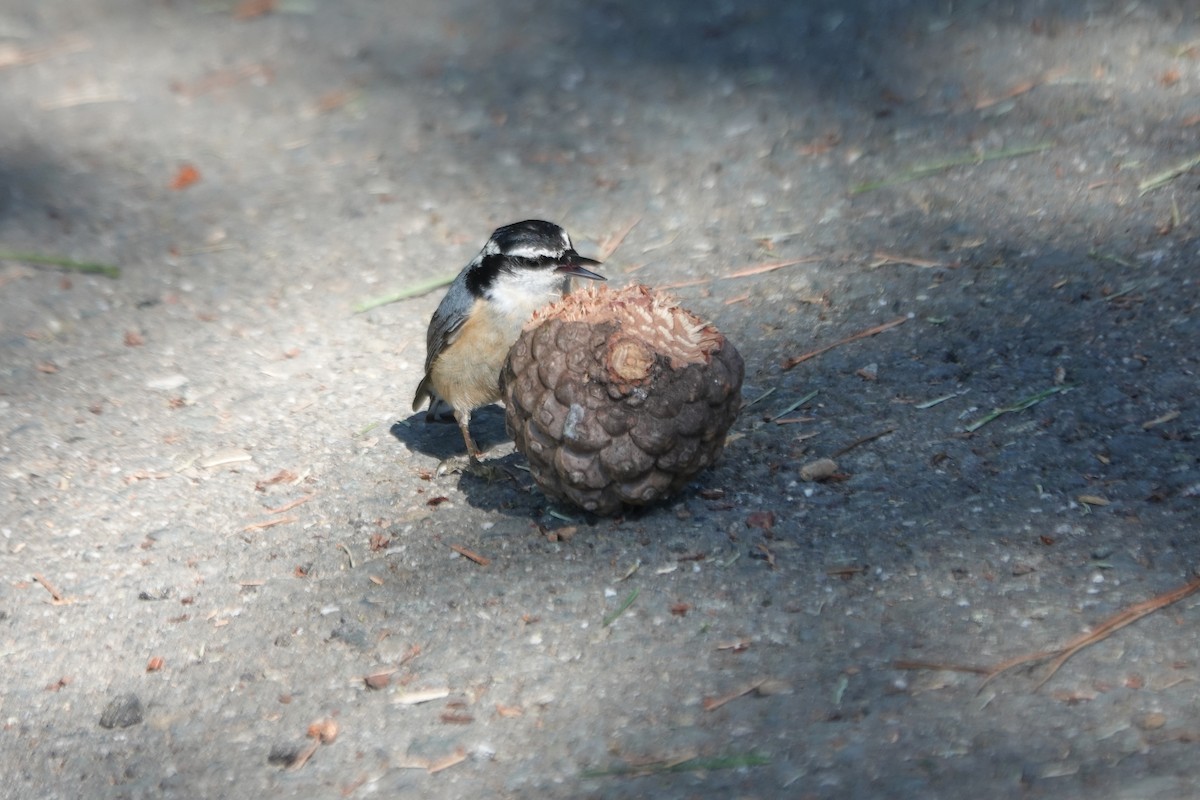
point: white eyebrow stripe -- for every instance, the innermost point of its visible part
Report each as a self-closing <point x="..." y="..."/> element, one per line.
<point x="531" y="251"/>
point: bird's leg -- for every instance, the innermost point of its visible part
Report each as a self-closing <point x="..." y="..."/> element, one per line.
<point x="471" y="463"/>
<point x="463" y="418"/>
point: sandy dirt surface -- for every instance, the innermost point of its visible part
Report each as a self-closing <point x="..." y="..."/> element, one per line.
<point x="218" y="520"/>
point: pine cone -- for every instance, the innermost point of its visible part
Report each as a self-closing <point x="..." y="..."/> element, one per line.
<point x="619" y="397"/>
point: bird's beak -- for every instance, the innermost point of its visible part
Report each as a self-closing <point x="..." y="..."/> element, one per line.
<point x="573" y="263"/>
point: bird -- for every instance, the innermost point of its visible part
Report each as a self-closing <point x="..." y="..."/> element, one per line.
<point x="522" y="267"/>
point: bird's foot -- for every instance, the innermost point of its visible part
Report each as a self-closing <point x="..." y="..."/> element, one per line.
<point x="470" y="465"/>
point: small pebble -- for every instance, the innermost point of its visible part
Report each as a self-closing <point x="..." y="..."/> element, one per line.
<point x="122" y="711"/>
<point x="819" y="470"/>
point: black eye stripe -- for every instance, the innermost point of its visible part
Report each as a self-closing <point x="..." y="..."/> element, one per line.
<point x="535" y="262"/>
<point x="480" y="277"/>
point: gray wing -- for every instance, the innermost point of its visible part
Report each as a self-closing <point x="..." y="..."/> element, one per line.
<point x="447" y="320"/>
<point x="443" y="329"/>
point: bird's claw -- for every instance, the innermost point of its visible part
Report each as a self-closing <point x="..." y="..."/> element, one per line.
<point x="470" y="465"/>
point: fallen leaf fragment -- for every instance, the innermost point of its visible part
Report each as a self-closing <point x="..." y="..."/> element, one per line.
<point x="421" y="696"/>
<point x="334" y="99"/>
<point x="186" y="176"/>
<point x="761" y="519"/>
<point x="323" y="730"/>
<point x="249" y="9"/>
<point x="379" y="680"/>
<point x="155" y="664"/>
<point x="509" y="712"/>
<point x="223" y="458"/>
<point x="563" y="534"/>
<point x="1092" y="500"/>
<point x="820" y="470"/>
<point x="1152" y="721"/>
<point x="457" y="757"/>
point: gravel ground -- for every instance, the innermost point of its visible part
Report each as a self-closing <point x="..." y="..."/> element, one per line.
<point x="219" y="517"/>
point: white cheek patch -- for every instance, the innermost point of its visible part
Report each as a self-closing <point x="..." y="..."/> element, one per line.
<point x="519" y="294"/>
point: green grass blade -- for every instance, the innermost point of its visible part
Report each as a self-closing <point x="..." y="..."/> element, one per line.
<point x="410" y="291"/>
<point x="88" y="267"/>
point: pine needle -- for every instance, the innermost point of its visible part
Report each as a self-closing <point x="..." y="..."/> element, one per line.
<point x="660" y="767"/>
<point x="794" y="406"/>
<point x="1021" y="405"/>
<point x="794" y="360"/>
<point x="611" y="618"/>
<point x="966" y="159"/>
<point x="1099" y="633"/>
<point x="87" y="267"/>
<point x="1163" y="178"/>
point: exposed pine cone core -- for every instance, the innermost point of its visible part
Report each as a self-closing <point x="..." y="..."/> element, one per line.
<point x="619" y="397"/>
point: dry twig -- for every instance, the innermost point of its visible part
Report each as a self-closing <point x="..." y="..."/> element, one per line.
<point x="939" y="667"/>
<point x="482" y="561"/>
<point x="713" y="703"/>
<point x="1021" y="88"/>
<point x="744" y="272"/>
<point x="289" y="506"/>
<point x="49" y="587"/>
<point x="881" y="258"/>
<point x="611" y="243"/>
<point x="861" y="441"/>
<point x="269" y="523"/>
<point x="800" y="359"/>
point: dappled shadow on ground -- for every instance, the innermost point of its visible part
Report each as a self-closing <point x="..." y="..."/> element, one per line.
<point x="734" y="133"/>
<point x="441" y="438"/>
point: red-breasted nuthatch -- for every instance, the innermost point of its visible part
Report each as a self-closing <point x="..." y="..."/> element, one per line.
<point x="523" y="267"/>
